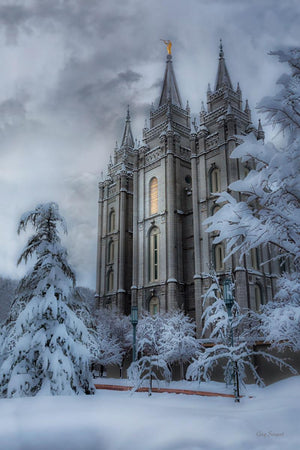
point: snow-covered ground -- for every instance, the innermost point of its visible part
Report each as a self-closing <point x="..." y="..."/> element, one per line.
<point x="113" y="420"/>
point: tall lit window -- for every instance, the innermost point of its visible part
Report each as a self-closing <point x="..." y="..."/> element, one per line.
<point x="112" y="220"/>
<point x="215" y="184"/>
<point x="111" y="251"/>
<point x="258" y="296"/>
<point x="254" y="259"/>
<point x="154" y="254"/>
<point x="110" y="281"/>
<point x="154" y="306"/>
<point x="153" y="196"/>
<point x="219" y="257"/>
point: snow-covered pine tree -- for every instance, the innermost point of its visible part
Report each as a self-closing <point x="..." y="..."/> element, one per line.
<point x="230" y="344"/>
<point x="49" y="343"/>
<point x="269" y="214"/>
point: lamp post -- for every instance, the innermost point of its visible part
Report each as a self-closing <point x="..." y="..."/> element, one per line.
<point x="134" y="321"/>
<point x="229" y="301"/>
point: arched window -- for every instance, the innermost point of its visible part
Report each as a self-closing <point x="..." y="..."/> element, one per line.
<point x="154" y="306"/>
<point x="112" y="220"/>
<point x="215" y="184"/>
<point x="154" y="254"/>
<point x="153" y="197"/>
<point x="258" y="296"/>
<point x="111" y="252"/>
<point x="110" y="281"/>
<point x="254" y="259"/>
<point x="219" y="257"/>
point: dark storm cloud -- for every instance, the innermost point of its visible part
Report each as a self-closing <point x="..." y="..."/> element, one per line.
<point x="84" y="17"/>
<point x="99" y="87"/>
<point x="12" y="18"/>
<point x="129" y="76"/>
<point x="71" y="68"/>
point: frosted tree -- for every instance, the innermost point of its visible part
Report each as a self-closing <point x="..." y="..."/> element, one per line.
<point x="114" y="337"/>
<point x="151" y="361"/>
<point x="223" y="326"/>
<point x="178" y="341"/>
<point x="109" y="350"/>
<point x="269" y="214"/>
<point x="49" y="344"/>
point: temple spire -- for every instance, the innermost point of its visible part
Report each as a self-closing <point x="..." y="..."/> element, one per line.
<point x="170" y="89"/>
<point x="127" y="140"/>
<point x="223" y="78"/>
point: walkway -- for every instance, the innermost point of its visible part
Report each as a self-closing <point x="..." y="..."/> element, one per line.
<point x="112" y="387"/>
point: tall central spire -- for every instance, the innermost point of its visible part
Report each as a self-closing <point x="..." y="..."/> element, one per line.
<point x="223" y="78"/>
<point x="170" y="91"/>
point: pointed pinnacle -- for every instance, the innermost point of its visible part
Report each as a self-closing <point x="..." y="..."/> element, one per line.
<point x="260" y="128"/>
<point x="128" y="113"/>
<point x="221" y="52"/>
<point x="229" y="109"/>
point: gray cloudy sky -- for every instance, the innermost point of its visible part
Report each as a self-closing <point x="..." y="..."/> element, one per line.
<point x="70" y="67"/>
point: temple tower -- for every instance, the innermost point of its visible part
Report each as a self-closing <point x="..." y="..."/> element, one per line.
<point x="162" y="207"/>
<point x="114" y="246"/>
<point x="153" y="249"/>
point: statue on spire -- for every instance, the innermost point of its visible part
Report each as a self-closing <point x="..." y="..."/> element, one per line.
<point x="169" y="46"/>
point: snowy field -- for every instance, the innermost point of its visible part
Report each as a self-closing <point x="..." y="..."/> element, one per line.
<point x="118" y="420"/>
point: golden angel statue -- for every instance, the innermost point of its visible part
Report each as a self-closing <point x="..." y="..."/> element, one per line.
<point x="169" y="45"/>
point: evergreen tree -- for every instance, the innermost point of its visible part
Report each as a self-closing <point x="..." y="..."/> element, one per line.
<point x="49" y="344"/>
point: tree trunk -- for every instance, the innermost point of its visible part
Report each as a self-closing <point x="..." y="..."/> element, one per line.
<point x="181" y="370"/>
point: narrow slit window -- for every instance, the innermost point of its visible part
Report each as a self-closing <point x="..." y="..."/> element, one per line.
<point x="258" y="296"/>
<point x="254" y="259"/>
<point x="154" y="254"/>
<point x="110" y="281"/>
<point x="111" y="251"/>
<point x="112" y="221"/>
<point x="215" y="180"/>
<point x="153" y="196"/>
<point x="219" y="257"/>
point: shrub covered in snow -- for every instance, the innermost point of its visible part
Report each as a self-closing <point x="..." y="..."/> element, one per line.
<point x="114" y="337"/>
<point x="230" y="346"/>
<point x="162" y="340"/>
